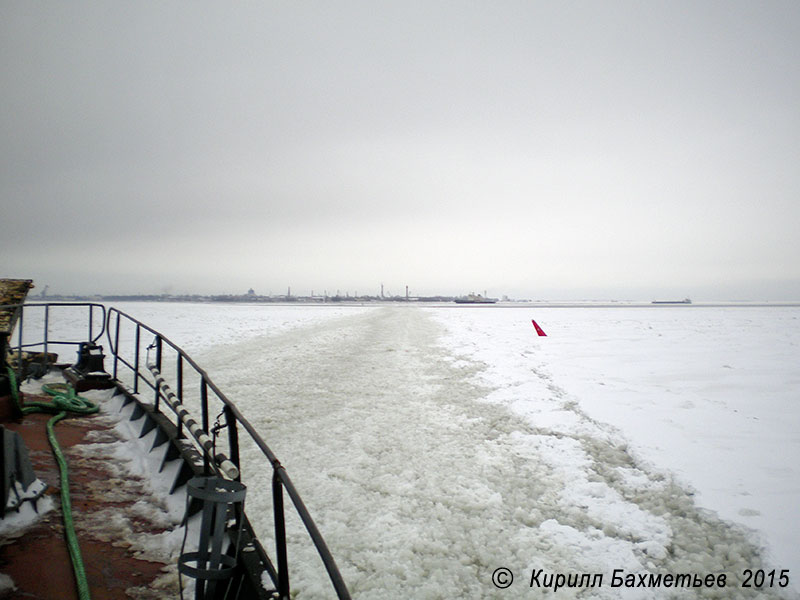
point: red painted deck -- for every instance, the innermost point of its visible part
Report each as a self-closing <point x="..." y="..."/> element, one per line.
<point x="38" y="561"/>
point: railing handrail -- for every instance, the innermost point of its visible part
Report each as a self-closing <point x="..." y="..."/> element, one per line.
<point x="228" y="469"/>
<point x="47" y="306"/>
<point x="281" y="479"/>
<point x="46" y="341"/>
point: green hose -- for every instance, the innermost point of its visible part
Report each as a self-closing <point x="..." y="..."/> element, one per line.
<point x="65" y="401"/>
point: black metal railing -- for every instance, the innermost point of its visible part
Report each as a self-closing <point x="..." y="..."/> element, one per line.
<point x="113" y="323"/>
<point x="93" y="329"/>
<point x="205" y="393"/>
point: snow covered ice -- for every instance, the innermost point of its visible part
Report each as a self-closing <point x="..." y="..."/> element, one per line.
<point x="434" y="444"/>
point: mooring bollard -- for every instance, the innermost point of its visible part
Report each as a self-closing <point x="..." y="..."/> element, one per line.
<point x="212" y="564"/>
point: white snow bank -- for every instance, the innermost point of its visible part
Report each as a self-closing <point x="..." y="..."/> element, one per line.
<point x="709" y="394"/>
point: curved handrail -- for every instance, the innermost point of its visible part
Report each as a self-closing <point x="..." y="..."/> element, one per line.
<point x="281" y="479"/>
<point x="46" y="341"/>
<point x="47" y="306"/>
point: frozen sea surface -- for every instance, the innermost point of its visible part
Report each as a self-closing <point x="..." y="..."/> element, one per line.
<point x="434" y="445"/>
<point x="708" y="393"/>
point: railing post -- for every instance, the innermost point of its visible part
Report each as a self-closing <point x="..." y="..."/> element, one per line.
<point x="233" y="438"/>
<point x="158" y="366"/>
<point x="179" y="374"/>
<point x="46" y="328"/>
<point x="204" y="416"/>
<point x="19" y="350"/>
<point x="280" y="535"/>
<point x="91" y="322"/>
<point x="116" y="346"/>
<point x="135" y="359"/>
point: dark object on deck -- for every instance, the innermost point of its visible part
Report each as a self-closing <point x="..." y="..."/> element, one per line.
<point x="17" y="473"/>
<point x="89" y="373"/>
<point x="31" y="364"/>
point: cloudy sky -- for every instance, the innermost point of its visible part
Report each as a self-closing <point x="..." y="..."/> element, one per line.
<point x="557" y="150"/>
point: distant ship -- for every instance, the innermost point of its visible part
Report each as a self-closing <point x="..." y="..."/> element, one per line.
<point x="684" y="301"/>
<point x="475" y="299"/>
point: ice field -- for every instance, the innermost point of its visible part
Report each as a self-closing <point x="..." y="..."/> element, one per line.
<point x="708" y="394"/>
<point x="435" y="444"/>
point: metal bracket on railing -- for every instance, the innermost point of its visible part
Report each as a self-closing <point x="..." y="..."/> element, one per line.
<point x="226" y="467"/>
<point x="215" y="430"/>
<point x="212" y="564"/>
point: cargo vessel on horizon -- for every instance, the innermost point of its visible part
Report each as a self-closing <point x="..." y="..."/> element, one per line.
<point x="684" y="301"/>
<point x="475" y="299"/>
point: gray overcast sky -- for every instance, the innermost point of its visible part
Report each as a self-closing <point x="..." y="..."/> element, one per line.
<point x="557" y="150"/>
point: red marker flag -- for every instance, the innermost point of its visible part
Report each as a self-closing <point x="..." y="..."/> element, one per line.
<point x="539" y="330"/>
